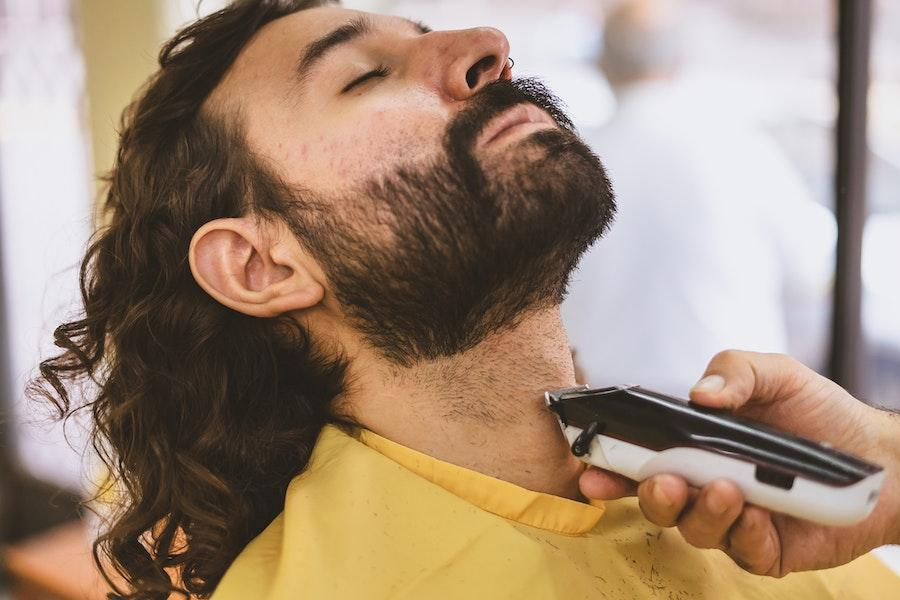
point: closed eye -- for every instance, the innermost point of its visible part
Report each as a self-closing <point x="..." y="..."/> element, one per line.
<point x="381" y="71"/>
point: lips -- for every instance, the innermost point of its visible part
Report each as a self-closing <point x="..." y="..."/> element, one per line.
<point x="520" y="118"/>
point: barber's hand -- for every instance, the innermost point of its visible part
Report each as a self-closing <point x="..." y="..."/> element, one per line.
<point x="779" y="391"/>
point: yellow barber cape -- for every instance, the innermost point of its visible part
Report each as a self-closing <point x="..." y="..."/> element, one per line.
<point x="371" y="519"/>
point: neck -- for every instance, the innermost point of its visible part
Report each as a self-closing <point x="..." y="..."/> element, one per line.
<point x="482" y="409"/>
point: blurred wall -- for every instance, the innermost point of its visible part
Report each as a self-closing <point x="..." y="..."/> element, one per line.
<point x="65" y="83"/>
<point x="120" y="41"/>
<point x="45" y="194"/>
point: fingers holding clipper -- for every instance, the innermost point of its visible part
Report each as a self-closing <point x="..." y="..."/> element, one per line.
<point x="734" y="377"/>
<point x="754" y="543"/>
<point x="714" y="517"/>
<point x="604" y="485"/>
<point x="663" y="498"/>
<point x="706" y="523"/>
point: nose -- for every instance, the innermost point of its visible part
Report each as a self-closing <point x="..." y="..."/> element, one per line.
<point x="468" y="59"/>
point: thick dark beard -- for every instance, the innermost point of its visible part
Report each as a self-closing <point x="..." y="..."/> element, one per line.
<point x="430" y="260"/>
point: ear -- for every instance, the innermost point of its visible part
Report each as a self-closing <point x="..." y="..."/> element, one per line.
<point x="254" y="267"/>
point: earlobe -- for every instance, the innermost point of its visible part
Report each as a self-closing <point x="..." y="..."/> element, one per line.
<point x="252" y="267"/>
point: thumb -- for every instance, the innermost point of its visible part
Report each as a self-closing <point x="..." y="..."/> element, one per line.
<point x="604" y="485"/>
<point x="735" y="377"/>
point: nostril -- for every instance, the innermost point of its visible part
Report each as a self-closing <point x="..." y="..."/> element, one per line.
<point x="474" y="73"/>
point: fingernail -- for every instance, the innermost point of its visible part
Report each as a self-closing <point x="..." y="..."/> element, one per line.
<point x="659" y="496"/>
<point x="710" y="383"/>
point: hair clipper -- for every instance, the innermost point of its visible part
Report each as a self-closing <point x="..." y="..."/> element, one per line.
<point x="639" y="433"/>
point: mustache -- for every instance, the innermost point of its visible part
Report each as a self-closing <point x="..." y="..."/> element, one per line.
<point x="494" y="99"/>
<point x="486" y="104"/>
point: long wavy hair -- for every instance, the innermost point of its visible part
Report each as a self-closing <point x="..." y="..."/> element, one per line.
<point x="201" y="414"/>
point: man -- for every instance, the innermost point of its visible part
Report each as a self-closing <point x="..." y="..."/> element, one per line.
<point x="322" y="317"/>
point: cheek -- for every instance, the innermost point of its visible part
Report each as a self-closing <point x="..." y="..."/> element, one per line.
<point x="379" y="145"/>
<point x="370" y="143"/>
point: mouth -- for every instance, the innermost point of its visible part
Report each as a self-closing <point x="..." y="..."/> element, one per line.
<point x="518" y="121"/>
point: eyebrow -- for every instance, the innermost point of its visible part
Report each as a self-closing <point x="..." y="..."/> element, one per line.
<point x="353" y="30"/>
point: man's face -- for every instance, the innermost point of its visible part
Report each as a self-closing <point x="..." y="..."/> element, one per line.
<point x="331" y="119"/>
<point x="441" y="199"/>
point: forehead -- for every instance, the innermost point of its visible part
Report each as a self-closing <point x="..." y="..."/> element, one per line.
<point x="272" y="54"/>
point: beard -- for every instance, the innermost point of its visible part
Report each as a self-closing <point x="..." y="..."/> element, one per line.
<point x="430" y="259"/>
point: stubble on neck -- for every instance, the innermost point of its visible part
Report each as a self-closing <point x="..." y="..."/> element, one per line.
<point x="482" y="409"/>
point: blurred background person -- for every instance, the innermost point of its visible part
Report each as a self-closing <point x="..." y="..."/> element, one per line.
<point x="717" y="242"/>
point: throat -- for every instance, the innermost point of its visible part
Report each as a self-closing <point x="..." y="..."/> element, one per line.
<point x="483" y="409"/>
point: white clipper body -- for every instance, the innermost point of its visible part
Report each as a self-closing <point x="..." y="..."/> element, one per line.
<point x="639" y="433"/>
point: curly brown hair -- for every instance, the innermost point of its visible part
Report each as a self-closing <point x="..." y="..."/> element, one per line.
<point x="201" y="414"/>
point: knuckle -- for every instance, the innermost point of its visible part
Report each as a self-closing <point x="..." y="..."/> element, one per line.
<point x="787" y="359"/>
<point x="793" y="374"/>
<point x="661" y="516"/>
<point x="745" y="564"/>
<point x="752" y="549"/>
<point x="724" y="357"/>
<point x="667" y="520"/>
<point x="699" y="539"/>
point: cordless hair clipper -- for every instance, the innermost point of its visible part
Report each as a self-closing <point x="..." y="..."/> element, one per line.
<point x="639" y="433"/>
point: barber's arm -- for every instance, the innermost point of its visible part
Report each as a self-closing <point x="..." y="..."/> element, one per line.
<point x="779" y="391"/>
